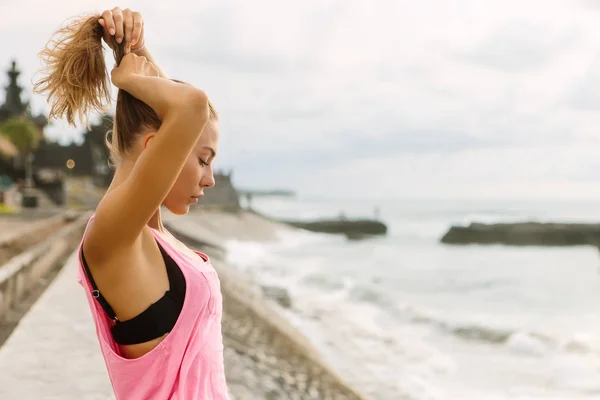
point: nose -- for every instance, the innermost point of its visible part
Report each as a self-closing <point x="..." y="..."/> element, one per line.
<point x="208" y="180"/>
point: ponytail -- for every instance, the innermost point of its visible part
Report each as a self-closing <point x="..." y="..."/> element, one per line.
<point x="77" y="82"/>
<point x="75" y="77"/>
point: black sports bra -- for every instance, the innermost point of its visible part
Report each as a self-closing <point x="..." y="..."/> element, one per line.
<point x="158" y="319"/>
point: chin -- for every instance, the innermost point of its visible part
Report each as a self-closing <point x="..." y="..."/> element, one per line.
<point x="182" y="209"/>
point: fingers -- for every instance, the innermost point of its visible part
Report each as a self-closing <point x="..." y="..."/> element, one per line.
<point x="117" y="15"/>
<point x="123" y="25"/>
<point x="150" y="69"/>
<point x="133" y="65"/>
<point x="128" y="27"/>
<point x="146" y="68"/>
<point x="107" y="36"/>
<point x="108" y="23"/>
<point x="138" y="26"/>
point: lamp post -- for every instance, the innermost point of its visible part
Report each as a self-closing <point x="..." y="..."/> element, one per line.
<point x="70" y="164"/>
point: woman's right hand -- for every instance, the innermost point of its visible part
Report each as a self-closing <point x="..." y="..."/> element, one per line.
<point x="130" y="68"/>
<point x="141" y="79"/>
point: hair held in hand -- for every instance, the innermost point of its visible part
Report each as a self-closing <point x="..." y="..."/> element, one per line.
<point x="75" y="77"/>
<point x="77" y="82"/>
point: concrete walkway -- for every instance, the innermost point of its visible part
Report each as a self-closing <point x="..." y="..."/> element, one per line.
<point x="54" y="353"/>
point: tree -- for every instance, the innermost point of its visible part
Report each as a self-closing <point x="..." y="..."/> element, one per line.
<point x="22" y="133"/>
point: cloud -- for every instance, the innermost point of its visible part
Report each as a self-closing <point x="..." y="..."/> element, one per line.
<point x="593" y="4"/>
<point x="563" y="172"/>
<point x="585" y="92"/>
<point x="336" y="95"/>
<point x="521" y="46"/>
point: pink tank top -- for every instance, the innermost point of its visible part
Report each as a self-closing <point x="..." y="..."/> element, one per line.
<point x="188" y="363"/>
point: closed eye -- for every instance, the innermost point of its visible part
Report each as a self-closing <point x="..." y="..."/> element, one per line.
<point x="202" y="162"/>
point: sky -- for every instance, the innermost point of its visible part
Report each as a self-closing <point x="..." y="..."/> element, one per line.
<point x="373" y="99"/>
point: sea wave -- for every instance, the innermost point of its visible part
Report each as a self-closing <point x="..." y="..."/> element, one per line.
<point x="518" y="340"/>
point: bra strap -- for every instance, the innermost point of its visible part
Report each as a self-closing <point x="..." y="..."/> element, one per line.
<point x="96" y="293"/>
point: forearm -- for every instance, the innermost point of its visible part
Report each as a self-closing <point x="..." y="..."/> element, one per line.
<point x="146" y="53"/>
<point x="163" y="95"/>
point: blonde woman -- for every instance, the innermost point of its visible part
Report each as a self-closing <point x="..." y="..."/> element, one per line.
<point x="156" y="304"/>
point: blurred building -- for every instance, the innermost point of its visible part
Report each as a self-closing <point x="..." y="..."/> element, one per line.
<point x="49" y="161"/>
<point x="88" y="160"/>
<point x="223" y="194"/>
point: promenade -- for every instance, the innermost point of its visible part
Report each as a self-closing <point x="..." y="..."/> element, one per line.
<point x="54" y="354"/>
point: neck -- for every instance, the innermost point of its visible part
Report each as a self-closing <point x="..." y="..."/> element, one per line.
<point x="156" y="222"/>
<point x="121" y="174"/>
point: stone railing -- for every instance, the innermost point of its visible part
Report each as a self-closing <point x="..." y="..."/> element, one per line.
<point x="23" y="271"/>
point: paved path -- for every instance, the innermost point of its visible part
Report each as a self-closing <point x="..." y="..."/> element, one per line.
<point x="53" y="354"/>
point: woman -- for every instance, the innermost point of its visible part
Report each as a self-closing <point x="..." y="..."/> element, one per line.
<point x="156" y="304"/>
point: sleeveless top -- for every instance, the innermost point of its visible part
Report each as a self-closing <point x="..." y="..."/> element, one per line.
<point x="156" y="320"/>
<point x="188" y="363"/>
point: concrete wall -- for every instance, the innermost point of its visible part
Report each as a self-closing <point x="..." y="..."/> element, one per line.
<point x="22" y="272"/>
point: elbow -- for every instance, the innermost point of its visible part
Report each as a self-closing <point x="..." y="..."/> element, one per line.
<point x="196" y="104"/>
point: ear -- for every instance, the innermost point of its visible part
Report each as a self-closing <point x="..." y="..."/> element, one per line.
<point x="148" y="138"/>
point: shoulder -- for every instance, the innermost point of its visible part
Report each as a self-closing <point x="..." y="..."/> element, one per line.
<point x="99" y="245"/>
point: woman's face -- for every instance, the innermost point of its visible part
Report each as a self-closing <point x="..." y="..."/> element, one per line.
<point x="196" y="174"/>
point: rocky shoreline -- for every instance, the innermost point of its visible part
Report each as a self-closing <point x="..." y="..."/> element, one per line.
<point x="263" y="363"/>
<point x="265" y="356"/>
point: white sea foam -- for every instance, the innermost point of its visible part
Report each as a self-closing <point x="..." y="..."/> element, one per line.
<point x="244" y="254"/>
<point x="406" y="318"/>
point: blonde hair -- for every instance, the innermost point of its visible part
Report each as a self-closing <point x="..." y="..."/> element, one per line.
<point x="77" y="82"/>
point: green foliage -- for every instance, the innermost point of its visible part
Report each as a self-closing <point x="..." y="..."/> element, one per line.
<point x="22" y="133"/>
<point x="4" y="209"/>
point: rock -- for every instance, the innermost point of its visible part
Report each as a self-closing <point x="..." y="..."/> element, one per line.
<point x="280" y="295"/>
<point x="525" y="234"/>
<point x="354" y="229"/>
<point x="354" y="235"/>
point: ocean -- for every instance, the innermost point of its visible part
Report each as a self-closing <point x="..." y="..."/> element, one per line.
<point x="406" y="317"/>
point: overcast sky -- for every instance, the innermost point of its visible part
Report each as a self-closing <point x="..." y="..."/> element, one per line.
<point x="378" y="98"/>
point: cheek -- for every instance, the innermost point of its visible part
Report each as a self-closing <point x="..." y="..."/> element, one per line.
<point x="190" y="175"/>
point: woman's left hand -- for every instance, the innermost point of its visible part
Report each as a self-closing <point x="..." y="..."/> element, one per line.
<point x="123" y="25"/>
